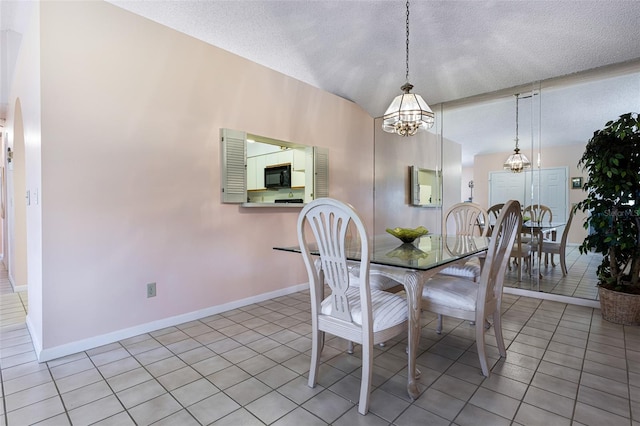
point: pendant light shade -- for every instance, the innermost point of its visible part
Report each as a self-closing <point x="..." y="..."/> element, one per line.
<point x="517" y="162"/>
<point x="408" y="113"/>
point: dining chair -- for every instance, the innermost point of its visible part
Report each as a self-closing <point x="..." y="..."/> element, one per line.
<point x="493" y="212"/>
<point x="541" y="214"/>
<point x="559" y="248"/>
<point x="359" y="313"/>
<point x="521" y="253"/>
<point x="466" y="219"/>
<point x="464" y="299"/>
<point x="538" y="213"/>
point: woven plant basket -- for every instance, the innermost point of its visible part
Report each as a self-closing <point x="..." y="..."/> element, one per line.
<point x="619" y="308"/>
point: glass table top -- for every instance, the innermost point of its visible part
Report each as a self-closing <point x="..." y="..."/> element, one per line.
<point x="426" y="252"/>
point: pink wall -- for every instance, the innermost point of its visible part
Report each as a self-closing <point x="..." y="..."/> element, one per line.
<point x="556" y="156"/>
<point x="131" y="113"/>
<point x="24" y="236"/>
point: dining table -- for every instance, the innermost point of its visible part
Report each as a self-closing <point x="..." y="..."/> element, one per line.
<point x="412" y="265"/>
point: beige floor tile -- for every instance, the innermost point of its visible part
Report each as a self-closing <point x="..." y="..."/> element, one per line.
<point x="550" y="401"/>
<point x="96" y="411"/>
<point x="494" y="402"/>
<point x="194" y="392"/>
<point x="326" y="405"/>
<point x="154" y="409"/>
<point x="472" y="416"/>
<point x="554" y="384"/>
<point x="533" y="416"/>
<point x="138" y="394"/>
<point x="238" y="417"/>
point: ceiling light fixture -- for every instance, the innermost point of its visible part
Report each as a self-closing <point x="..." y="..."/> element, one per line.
<point x="408" y="113"/>
<point x="517" y="162"/>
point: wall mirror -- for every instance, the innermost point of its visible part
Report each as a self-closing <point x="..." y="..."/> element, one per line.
<point x="262" y="171"/>
<point x="425" y="186"/>
<point x="557" y="118"/>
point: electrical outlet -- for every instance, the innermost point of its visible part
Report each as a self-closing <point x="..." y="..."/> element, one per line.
<point x="151" y="290"/>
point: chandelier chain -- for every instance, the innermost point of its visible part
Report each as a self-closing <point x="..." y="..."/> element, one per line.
<point x="407" y="74"/>
<point x="517" y="98"/>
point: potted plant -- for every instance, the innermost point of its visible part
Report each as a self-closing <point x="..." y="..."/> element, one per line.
<point x="612" y="162"/>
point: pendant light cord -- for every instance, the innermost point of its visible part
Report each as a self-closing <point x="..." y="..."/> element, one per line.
<point x="407" y="74"/>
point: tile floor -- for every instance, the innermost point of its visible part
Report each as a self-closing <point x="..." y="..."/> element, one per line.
<point x="580" y="281"/>
<point x="565" y="365"/>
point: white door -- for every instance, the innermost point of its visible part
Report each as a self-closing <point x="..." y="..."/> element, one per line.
<point x="550" y="187"/>
<point x="505" y="186"/>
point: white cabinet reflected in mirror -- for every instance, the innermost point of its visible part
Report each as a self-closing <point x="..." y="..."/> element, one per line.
<point x="425" y="187"/>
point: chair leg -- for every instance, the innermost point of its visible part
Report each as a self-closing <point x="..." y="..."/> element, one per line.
<point x="482" y="354"/>
<point x="367" y="374"/>
<point x="350" y="348"/>
<point x="563" y="264"/>
<point x="439" y="324"/>
<point x="317" y="339"/>
<point x="497" y="329"/>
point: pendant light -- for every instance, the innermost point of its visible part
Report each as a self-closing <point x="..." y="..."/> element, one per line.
<point x="408" y="113"/>
<point x="517" y="162"/>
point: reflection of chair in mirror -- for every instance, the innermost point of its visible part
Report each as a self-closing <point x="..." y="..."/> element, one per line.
<point x="522" y="255"/>
<point x="467" y="219"/>
<point x="493" y="212"/>
<point x="461" y="298"/>
<point x="521" y="252"/>
<point x="355" y="313"/>
<point x="552" y="247"/>
<point x="538" y="213"/>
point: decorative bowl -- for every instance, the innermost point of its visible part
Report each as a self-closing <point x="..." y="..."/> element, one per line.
<point x="408" y="235"/>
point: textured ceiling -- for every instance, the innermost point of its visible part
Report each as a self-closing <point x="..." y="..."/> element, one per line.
<point x="356" y="49"/>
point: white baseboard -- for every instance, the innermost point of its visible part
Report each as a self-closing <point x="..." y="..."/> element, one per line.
<point x="15" y="287"/>
<point x="553" y="297"/>
<point x="115" y="336"/>
<point x="37" y="344"/>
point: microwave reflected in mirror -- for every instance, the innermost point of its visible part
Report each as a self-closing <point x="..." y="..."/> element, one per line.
<point x="425" y="187"/>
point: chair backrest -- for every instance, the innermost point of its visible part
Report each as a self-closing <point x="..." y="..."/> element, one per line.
<point x="468" y="219"/>
<point x="493" y="212"/>
<point x="329" y="220"/>
<point x="500" y="244"/>
<point x="565" y="233"/>
<point x="538" y="213"/>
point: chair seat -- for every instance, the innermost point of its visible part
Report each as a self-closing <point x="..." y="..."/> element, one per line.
<point x="470" y="270"/>
<point x="376" y="281"/>
<point x="388" y="309"/>
<point x="524" y="251"/>
<point x="549" y="247"/>
<point x="452" y="292"/>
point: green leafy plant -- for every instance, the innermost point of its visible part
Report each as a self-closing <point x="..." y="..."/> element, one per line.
<point x="612" y="162"/>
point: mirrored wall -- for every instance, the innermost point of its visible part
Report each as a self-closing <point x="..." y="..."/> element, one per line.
<point x="471" y="140"/>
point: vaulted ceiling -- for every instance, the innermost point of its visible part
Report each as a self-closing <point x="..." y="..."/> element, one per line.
<point x="458" y="49"/>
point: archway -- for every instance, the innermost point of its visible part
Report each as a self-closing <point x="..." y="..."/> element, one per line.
<point x="16" y="221"/>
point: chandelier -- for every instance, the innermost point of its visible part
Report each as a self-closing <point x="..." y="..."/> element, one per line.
<point x="517" y="162"/>
<point x="408" y="113"/>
